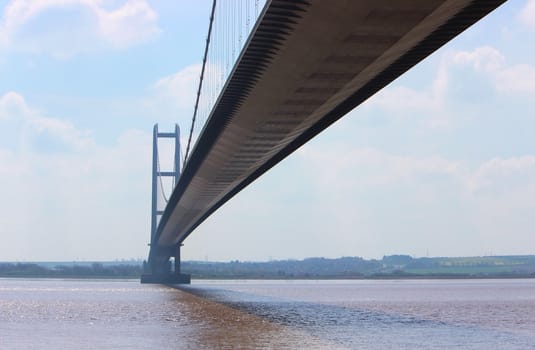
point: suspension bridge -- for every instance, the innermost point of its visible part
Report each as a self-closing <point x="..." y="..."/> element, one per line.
<point x="274" y="75"/>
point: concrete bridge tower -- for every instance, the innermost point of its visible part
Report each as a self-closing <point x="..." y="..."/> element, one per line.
<point x="159" y="268"/>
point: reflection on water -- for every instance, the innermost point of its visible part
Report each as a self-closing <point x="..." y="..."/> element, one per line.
<point x="438" y="314"/>
<point x="44" y="314"/>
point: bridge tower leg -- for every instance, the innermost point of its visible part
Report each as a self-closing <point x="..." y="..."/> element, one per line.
<point x="158" y="269"/>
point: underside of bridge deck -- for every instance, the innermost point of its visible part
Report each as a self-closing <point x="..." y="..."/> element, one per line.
<point x="306" y="65"/>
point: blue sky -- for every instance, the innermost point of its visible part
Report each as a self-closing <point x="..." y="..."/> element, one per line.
<point x="441" y="162"/>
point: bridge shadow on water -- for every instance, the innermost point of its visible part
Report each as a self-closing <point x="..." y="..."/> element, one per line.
<point x="357" y="328"/>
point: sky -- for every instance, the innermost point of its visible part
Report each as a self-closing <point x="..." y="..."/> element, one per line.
<point x="439" y="163"/>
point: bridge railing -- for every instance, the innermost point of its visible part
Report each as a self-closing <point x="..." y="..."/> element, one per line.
<point x="231" y="23"/>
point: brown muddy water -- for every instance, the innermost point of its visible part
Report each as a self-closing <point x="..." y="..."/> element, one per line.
<point x="404" y="314"/>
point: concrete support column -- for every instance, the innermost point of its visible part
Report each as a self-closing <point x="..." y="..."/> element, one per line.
<point x="177" y="259"/>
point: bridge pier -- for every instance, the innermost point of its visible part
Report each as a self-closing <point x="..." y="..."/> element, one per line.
<point x="159" y="268"/>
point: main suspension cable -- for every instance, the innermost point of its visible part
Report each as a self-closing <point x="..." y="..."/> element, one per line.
<point x="200" y="81"/>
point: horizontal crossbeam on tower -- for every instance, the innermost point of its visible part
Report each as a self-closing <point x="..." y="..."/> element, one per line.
<point x="167" y="173"/>
<point x="169" y="135"/>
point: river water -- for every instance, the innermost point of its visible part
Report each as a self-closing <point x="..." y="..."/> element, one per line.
<point x="393" y="314"/>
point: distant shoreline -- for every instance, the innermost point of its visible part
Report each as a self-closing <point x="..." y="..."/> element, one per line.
<point x="69" y="277"/>
<point x="267" y="278"/>
<point x="390" y="267"/>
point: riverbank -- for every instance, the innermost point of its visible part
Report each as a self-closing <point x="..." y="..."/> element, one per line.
<point x="389" y="267"/>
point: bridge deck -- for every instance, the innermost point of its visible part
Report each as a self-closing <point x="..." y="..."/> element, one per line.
<point x="306" y="65"/>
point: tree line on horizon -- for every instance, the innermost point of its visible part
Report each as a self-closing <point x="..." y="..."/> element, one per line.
<point x="345" y="267"/>
<point x="74" y="270"/>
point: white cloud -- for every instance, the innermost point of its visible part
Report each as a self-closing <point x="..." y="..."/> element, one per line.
<point x="173" y="98"/>
<point x="178" y="89"/>
<point x="518" y="78"/>
<point x="405" y="102"/>
<point x="435" y="105"/>
<point x="72" y="204"/>
<point x="501" y="191"/>
<point x="132" y="23"/>
<point x="498" y="176"/>
<point x="527" y="14"/>
<point x="9" y="166"/>
<point x="357" y="167"/>
<point x="484" y="59"/>
<point x="61" y="129"/>
<point x="14" y="107"/>
<point x="370" y="167"/>
<point x="452" y="207"/>
<point x="67" y="203"/>
<point x="63" y="28"/>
